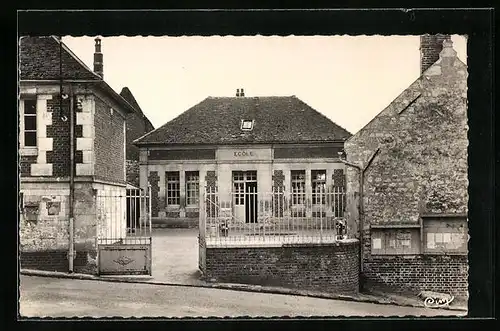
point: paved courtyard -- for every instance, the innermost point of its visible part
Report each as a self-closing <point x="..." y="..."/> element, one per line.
<point x="175" y="256"/>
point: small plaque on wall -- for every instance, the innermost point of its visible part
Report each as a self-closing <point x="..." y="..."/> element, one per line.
<point x="377" y="243"/>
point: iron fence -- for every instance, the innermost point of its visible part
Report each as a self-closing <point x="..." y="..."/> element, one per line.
<point x="248" y="217"/>
<point x="123" y="217"/>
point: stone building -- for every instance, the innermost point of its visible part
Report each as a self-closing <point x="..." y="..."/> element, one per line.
<point x="414" y="208"/>
<point x="72" y="150"/>
<point x="137" y="126"/>
<point x="239" y="144"/>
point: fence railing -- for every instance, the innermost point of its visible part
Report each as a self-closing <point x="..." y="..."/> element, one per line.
<point x="250" y="217"/>
<point x="123" y="217"/>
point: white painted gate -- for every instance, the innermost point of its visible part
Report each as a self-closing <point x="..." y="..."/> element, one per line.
<point x="124" y="234"/>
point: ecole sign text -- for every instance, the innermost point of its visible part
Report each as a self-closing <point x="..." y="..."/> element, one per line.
<point x="243" y="153"/>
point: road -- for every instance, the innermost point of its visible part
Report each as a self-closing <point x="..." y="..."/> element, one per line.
<point x="53" y="297"/>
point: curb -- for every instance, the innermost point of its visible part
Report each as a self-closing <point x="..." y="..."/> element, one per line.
<point x="229" y="286"/>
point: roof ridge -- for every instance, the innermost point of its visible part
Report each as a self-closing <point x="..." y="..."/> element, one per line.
<point x="139" y="111"/>
<point x="323" y="115"/>
<point x="217" y="121"/>
<point x="74" y="56"/>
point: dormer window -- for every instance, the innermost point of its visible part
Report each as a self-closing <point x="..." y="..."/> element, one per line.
<point x="246" y="125"/>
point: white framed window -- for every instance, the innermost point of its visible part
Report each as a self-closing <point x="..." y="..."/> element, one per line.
<point x="298" y="186"/>
<point x="192" y="188"/>
<point x="318" y="184"/>
<point x="28" y="125"/>
<point x="173" y="188"/>
<point x="239" y="187"/>
<point x="246" y="125"/>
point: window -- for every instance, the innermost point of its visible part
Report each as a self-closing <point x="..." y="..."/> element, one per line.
<point x="318" y="183"/>
<point x="239" y="187"/>
<point x="192" y="188"/>
<point x="247" y="125"/>
<point x="173" y="188"/>
<point x="28" y="123"/>
<point x="298" y="187"/>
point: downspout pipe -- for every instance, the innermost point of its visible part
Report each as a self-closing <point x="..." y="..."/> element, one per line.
<point x="71" y="255"/>
<point x="71" y="251"/>
<point x="361" y="205"/>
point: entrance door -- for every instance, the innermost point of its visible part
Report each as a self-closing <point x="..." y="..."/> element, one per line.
<point x="245" y="196"/>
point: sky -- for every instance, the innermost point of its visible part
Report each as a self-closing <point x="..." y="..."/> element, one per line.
<point x="349" y="79"/>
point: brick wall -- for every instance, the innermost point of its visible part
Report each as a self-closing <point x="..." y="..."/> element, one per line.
<point x="421" y="167"/>
<point x="326" y="268"/>
<point x="430" y="47"/>
<point x="441" y="273"/>
<point x="108" y="143"/>
<point x="57" y="154"/>
<point x="25" y="163"/>
<point x="54" y="260"/>
<point x="59" y="132"/>
<point x="153" y="180"/>
<point x="187" y="222"/>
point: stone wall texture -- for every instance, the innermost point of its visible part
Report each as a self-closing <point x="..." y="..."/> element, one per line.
<point x="44" y="227"/>
<point x="421" y="167"/>
<point x="327" y="268"/>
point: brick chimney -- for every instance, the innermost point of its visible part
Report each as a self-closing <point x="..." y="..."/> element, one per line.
<point x="237" y="92"/>
<point x="98" y="66"/>
<point x="430" y="47"/>
<point x="242" y="93"/>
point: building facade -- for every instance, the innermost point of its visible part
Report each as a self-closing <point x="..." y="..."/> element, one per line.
<point x="137" y="125"/>
<point x="414" y="224"/>
<point x="72" y="129"/>
<point x="240" y="145"/>
<point x="263" y="179"/>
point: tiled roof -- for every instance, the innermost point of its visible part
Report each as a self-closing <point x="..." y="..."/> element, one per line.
<point x="40" y="60"/>
<point x="277" y="120"/>
<point x="129" y="97"/>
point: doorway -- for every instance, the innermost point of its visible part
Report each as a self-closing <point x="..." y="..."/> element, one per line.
<point x="245" y="198"/>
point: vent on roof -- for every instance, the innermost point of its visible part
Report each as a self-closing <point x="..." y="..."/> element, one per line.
<point x="247" y="125"/>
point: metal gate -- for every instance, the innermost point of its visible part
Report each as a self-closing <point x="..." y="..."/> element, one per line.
<point x="124" y="236"/>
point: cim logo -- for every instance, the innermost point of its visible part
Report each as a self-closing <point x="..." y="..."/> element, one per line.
<point x="243" y="153"/>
